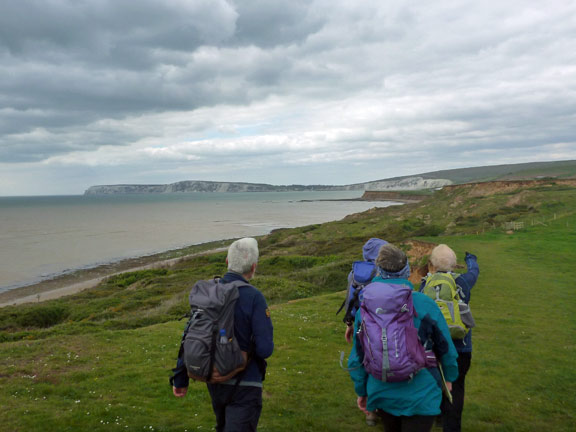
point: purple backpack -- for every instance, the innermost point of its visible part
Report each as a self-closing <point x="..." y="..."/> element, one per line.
<point x="392" y="350"/>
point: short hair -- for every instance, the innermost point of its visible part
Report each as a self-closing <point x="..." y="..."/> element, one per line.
<point x="391" y="259"/>
<point x="443" y="258"/>
<point x="242" y="254"/>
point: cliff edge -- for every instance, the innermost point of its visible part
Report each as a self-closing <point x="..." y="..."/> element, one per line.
<point x="408" y="183"/>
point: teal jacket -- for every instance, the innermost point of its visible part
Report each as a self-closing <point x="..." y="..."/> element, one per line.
<point x="421" y="395"/>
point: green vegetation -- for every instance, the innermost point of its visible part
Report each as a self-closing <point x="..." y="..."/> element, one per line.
<point x="100" y="360"/>
<point x="532" y="170"/>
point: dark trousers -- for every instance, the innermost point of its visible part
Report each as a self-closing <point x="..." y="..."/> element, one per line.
<point x="406" y="424"/>
<point x="452" y="412"/>
<point x="237" y="409"/>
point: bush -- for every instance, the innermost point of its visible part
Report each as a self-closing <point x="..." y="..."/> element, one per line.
<point x="43" y="316"/>
<point x="126" y="279"/>
<point x="429" y="231"/>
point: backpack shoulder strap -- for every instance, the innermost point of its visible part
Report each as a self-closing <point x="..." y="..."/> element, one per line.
<point x="423" y="282"/>
<point x="459" y="289"/>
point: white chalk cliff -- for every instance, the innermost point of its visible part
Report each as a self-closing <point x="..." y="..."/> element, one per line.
<point x="406" y="183"/>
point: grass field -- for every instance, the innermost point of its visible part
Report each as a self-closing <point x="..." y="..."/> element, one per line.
<point x="100" y="361"/>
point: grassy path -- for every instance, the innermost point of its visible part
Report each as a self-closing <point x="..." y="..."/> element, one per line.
<point x="522" y="376"/>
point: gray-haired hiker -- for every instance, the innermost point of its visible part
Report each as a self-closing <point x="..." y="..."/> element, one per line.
<point x="443" y="261"/>
<point x="236" y="389"/>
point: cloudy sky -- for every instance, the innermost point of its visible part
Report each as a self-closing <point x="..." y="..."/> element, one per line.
<point x="281" y="92"/>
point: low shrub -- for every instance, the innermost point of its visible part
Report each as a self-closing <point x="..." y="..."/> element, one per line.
<point x="126" y="279"/>
<point x="43" y="316"/>
<point x="431" y="230"/>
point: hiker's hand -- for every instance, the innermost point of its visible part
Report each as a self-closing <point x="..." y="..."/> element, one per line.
<point x="349" y="333"/>
<point x="179" y="391"/>
<point x="361" y="402"/>
<point x="449" y="386"/>
<point x="469" y="255"/>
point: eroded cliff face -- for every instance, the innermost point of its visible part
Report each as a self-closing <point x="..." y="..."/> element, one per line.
<point x="417" y="256"/>
<point x="392" y="196"/>
<point x="507" y="186"/>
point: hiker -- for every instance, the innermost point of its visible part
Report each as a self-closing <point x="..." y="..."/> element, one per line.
<point x="237" y="402"/>
<point x="361" y="274"/>
<point x="405" y="400"/>
<point x="356" y="282"/>
<point x="443" y="260"/>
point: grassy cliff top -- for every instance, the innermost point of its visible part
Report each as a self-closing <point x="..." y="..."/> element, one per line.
<point x="522" y="171"/>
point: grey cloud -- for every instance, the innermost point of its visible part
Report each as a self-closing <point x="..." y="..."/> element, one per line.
<point x="454" y="78"/>
<point x="267" y="23"/>
<point x="41" y="144"/>
<point x="29" y="26"/>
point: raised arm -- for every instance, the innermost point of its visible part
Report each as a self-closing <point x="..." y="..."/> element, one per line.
<point x="467" y="280"/>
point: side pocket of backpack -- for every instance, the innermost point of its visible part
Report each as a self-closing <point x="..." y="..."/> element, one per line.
<point x="229" y="357"/>
<point x="466" y="315"/>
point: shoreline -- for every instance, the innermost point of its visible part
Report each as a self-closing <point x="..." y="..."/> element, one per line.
<point x="78" y="280"/>
<point x="82" y="279"/>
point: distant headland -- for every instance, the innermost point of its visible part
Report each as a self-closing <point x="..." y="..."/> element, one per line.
<point x="408" y="183"/>
<point x="430" y="180"/>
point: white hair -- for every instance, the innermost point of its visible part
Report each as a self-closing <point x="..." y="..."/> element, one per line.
<point x="443" y="258"/>
<point x="242" y="254"/>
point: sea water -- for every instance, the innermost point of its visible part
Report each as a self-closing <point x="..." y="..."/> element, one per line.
<point x="41" y="237"/>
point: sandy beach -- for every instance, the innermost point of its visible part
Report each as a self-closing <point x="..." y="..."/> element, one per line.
<point x="80" y="280"/>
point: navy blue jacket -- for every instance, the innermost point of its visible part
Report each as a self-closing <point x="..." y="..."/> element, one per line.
<point x="252" y="323"/>
<point x="466" y="281"/>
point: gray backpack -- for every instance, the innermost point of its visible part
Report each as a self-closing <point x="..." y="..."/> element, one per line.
<point x="211" y="352"/>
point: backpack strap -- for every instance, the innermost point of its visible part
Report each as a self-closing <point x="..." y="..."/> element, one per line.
<point x="359" y="352"/>
<point x="342" y="354"/>
<point x="182" y="367"/>
<point x="423" y="282"/>
<point x="354" y="301"/>
<point x="459" y="289"/>
<point x="342" y="305"/>
<point x="213" y="350"/>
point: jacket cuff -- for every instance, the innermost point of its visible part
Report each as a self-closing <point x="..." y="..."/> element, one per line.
<point x="180" y="378"/>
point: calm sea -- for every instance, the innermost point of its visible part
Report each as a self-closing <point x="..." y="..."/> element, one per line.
<point x="41" y="237"/>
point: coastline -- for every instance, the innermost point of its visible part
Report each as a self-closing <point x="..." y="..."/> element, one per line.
<point x="82" y="279"/>
<point x="78" y="280"/>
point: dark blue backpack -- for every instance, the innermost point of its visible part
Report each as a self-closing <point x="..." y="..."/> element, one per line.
<point x="362" y="274"/>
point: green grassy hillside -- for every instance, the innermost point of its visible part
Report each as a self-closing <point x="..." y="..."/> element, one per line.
<point x="532" y="170"/>
<point x="522" y="171"/>
<point x="100" y="360"/>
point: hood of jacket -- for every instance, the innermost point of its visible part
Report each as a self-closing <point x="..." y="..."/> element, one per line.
<point x="371" y="249"/>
